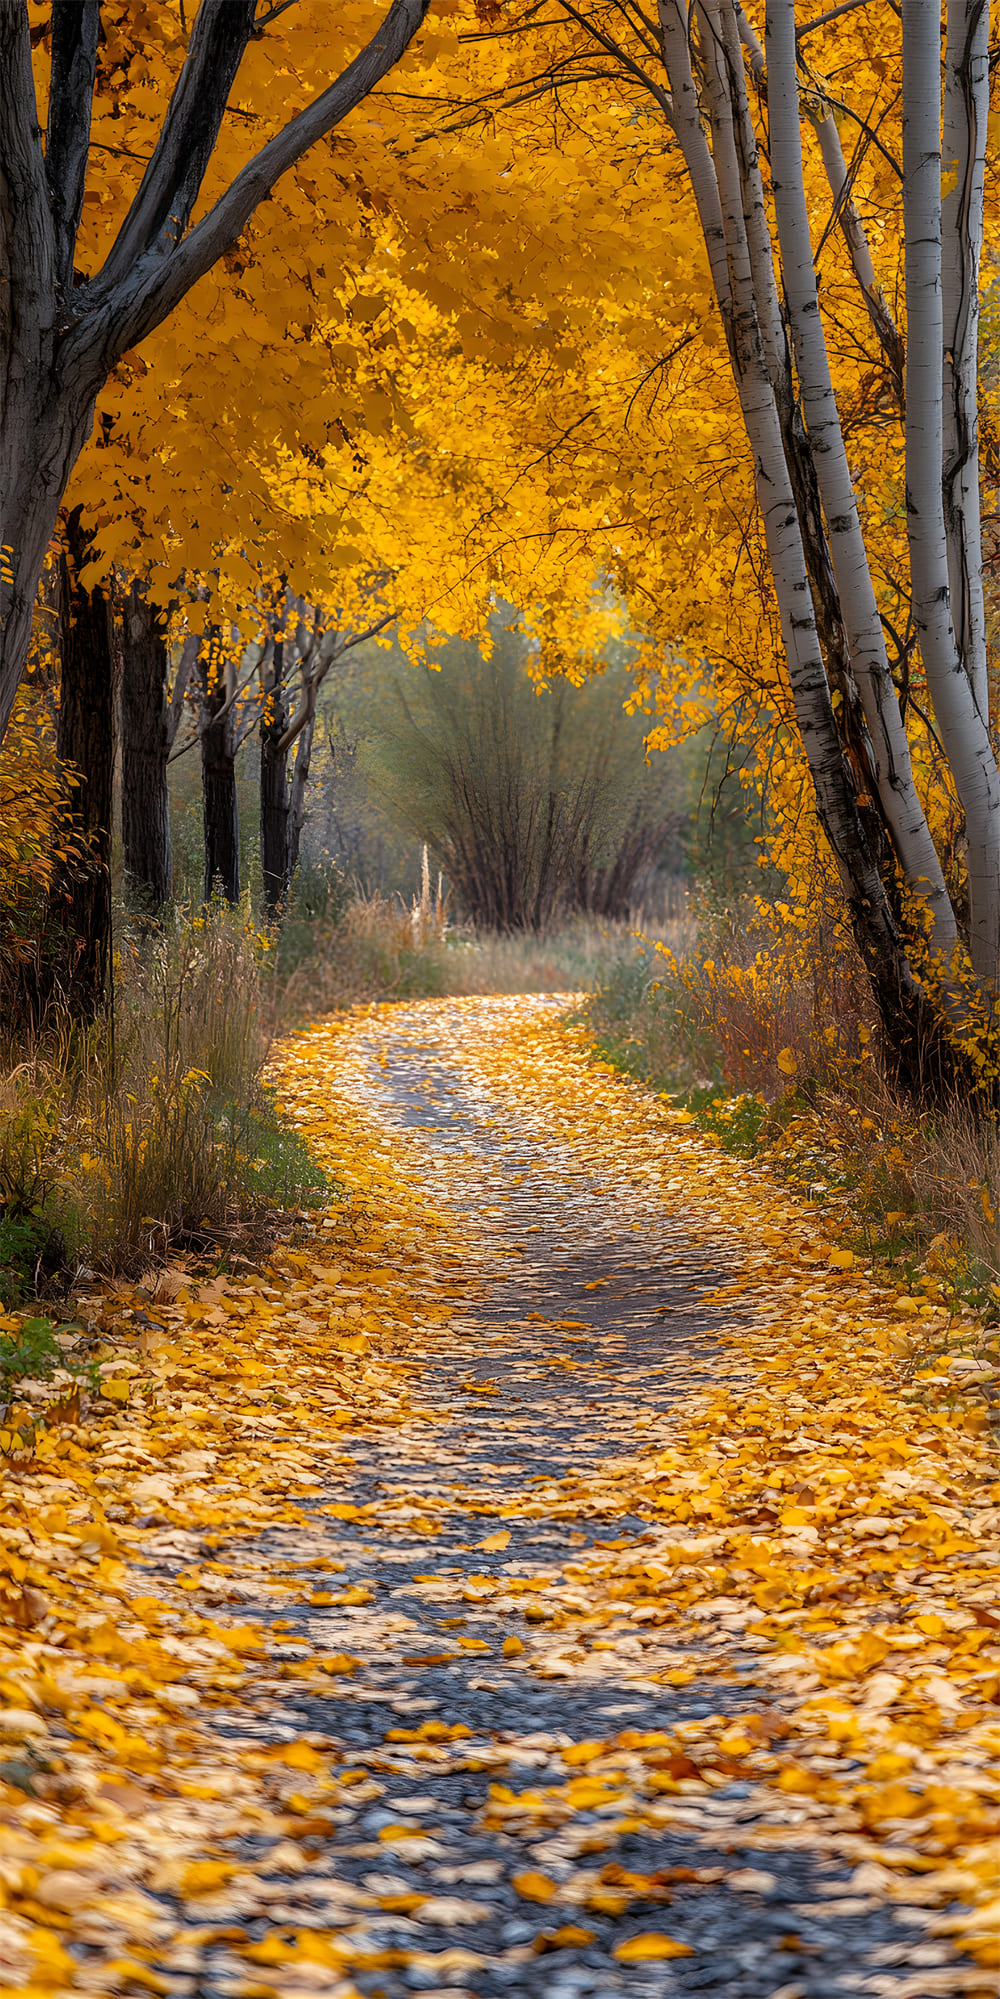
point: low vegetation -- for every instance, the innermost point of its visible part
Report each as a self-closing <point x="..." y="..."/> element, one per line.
<point x="764" y="1030"/>
<point x="152" y="1131"/>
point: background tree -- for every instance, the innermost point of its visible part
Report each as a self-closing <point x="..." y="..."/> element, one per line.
<point x="219" y="737"/>
<point x="81" y="886"/>
<point x="534" y="796"/>
<point x="304" y="647"/>
<point x="150" y="717"/>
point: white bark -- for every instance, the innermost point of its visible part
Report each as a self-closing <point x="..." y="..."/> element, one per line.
<point x="966" y="110"/>
<point x="962" y="727"/>
<point x="726" y="60"/>
<point x="685" y="116"/>
<point x="853" y="231"/>
<point x="807" y="674"/>
<point x="893" y="773"/>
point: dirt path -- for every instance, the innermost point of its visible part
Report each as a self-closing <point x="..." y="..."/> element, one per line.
<point x="571" y="1652"/>
<point x="587" y="1329"/>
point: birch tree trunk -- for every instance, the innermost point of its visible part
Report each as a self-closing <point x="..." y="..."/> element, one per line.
<point x="911" y="836"/>
<point x="961" y="724"/>
<point x="859" y="760"/>
<point x="734" y="160"/>
<point x="966" y="113"/>
<point x="852" y="229"/>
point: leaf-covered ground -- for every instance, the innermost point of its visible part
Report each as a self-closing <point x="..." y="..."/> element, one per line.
<point x="568" y="1574"/>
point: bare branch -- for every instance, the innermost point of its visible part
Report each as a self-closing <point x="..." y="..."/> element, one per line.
<point x="264" y="20"/>
<point x="613" y="48"/>
<point x="314" y="681"/>
<point x="220" y="712"/>
<point x="846" y="7"/>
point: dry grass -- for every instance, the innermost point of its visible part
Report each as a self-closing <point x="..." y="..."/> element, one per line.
<point x="116" y="1151"/>
<point x="380" y="950"/>
<point x="767" y="1030"/>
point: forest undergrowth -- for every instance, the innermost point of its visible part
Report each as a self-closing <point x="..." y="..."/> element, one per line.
<point x="761" y="1025"/>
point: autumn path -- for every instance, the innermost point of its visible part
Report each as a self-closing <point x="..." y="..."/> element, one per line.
<point x="563" y="1574"/>
<point x="461" y="1569"/>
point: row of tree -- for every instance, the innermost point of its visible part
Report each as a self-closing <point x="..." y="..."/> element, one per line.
<point x="130" y="700"/>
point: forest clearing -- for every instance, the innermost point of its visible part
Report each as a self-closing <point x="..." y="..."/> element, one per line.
<point x="499" y="999"/>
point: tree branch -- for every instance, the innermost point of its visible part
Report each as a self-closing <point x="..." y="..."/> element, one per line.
<point x="314" y="680"/>
<point x="75" y="28"/>
<point x="820" y="21"/>
<point x="169" y="187"/>
<point x="27" y="240"/>
<point x="126" y="312"/>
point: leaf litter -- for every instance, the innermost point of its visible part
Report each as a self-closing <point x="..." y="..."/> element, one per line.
<point x="671" y="1663"/>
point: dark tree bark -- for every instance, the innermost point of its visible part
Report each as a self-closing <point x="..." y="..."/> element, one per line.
<point x="145" y="748"/>
<point x="60" y="339"/>
<point x="274" y="795"/>
<point x="220" y="811"/>
<point x="81" y="893"/>
<point x="297" y="795"/>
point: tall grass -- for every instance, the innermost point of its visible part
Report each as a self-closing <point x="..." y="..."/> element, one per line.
<point x="378" y="949"/>
<point x="120" y="1147"/>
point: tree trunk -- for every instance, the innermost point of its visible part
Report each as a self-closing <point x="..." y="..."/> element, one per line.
<point x="274" y="798"/>
<point x="218" y="780"/>
<point x="966" y="112"/>
<point x="901" y="1002"/>
<point x="297" y="804"/>
<point x="962" y="726"/>
<point x="148" y="860"/>
<point x="893" y="774"/>
<point x="81" y="893"/>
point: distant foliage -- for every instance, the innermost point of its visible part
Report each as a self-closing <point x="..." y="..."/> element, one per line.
<point x="534" y="796"/>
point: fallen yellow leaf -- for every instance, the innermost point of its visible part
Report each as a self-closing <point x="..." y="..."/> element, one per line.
<point x="533" y="1887"/>
<point x="650" y="1944"/>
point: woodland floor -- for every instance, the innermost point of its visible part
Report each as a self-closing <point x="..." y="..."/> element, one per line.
<point x="570" y="1576"/>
